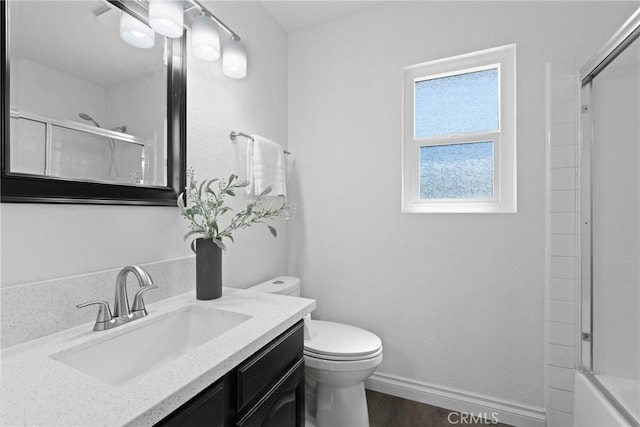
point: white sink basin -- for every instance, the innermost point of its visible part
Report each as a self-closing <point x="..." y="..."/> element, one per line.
<point x="122" y="358"/>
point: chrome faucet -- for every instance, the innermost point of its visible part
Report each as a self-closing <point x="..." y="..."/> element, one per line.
<point x="121" y="304"/>
<point x="121" y="311"/>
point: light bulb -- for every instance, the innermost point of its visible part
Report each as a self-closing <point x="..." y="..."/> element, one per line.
<point x="135" y="32"/>
<point x="166" y="17"/>
<point x="205" y="38"/>
<point x="234" y="60"/>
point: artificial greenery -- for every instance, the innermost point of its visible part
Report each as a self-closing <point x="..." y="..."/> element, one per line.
<point x="207" y="204"/>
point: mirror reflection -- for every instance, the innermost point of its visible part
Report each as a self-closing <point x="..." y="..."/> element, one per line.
<point x="88" y="94"/>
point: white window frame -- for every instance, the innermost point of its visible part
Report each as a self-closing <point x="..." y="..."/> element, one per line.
<point x="504" y="139"/>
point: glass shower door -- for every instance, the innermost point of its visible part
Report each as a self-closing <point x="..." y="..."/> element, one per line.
<point x="611" y="247"/>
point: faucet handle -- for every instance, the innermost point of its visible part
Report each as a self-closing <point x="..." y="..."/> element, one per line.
<point x="104" y="313"/>
<point x="138" y="302"/>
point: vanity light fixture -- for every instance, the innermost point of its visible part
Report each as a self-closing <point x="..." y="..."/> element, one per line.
<point x="135" y="32"/>
<point x="166" y="17"/>
<point x="169" y="18"/>
<point x="234" y="54"/>
<point x="205" y="38"/>
<point x="234" y="59"/>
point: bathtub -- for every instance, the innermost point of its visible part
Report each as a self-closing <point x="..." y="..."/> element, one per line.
<point x="593" y="409"/>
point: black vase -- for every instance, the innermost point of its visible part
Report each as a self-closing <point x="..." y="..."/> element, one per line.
<point x="208" y="270"/>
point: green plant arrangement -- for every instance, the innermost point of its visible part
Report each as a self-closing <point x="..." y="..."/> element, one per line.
<point x="207" y="204"/>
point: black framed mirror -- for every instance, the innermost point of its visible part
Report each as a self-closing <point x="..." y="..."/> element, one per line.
<point x="87" y="117"/>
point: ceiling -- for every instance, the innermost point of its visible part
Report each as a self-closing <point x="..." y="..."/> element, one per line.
<point x="68" y="36"/>
<point x="294" y="15"/>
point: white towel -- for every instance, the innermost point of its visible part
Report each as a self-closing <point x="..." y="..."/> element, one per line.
<point x="266" y="167"/>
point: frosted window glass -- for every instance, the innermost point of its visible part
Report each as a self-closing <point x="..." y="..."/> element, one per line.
<point x="458" y="171"/>
<point x="457" y="104"/>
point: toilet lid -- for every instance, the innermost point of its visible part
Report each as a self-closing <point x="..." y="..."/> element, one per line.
<point x="337" y="340"/>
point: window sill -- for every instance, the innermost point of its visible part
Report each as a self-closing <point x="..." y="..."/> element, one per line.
<point x="459" y="207"/>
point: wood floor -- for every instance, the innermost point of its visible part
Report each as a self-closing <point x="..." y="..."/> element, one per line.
<point x="391" y="411"/>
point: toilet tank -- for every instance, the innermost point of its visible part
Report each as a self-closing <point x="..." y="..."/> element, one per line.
<point x="283" y="285"/>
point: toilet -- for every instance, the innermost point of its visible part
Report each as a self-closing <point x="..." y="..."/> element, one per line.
<point x="338" y="358"/>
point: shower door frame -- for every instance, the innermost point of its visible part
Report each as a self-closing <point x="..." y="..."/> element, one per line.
<point x="625" y="36"/>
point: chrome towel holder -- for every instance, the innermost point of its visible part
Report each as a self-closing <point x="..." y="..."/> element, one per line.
<point x="234" y="134"/>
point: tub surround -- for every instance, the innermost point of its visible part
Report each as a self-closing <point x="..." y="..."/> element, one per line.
<point x="562" y="240"/>
<point x="592" y="408"/>
<point x="37" y="390"/>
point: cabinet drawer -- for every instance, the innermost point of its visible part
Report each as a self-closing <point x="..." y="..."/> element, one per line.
<point x="262" y="370"/>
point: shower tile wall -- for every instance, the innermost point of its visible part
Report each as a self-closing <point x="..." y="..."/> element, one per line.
<point x="562" y="242"/>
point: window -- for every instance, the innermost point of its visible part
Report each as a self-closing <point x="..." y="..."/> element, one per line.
<point x="459" y="148"/>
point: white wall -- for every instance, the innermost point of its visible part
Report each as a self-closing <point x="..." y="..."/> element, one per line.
<point x="456" y="298"/>
<point x="39" y="89"/>
<point x="42" y="242"/>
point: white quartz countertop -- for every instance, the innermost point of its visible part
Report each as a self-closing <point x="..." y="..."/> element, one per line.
<point x="36" y="390"/>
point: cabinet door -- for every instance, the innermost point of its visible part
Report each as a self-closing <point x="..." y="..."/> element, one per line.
<point x="266" y="367"/>
<point x="283" y="406"/>
<point x="210" y="408"/>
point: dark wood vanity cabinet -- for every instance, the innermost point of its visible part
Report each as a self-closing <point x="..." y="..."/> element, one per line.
<point x="283" y="406"/>
<point x="266" y="390"/>
<point x="208" y="408"/>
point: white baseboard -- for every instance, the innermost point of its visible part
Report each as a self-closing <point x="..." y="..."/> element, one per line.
<point x="507" y="412"/>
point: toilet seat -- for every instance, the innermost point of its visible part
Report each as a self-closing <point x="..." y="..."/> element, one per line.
<point x="345" y="358"/>
<point x="338" y="342"/>
<point x="342" y="365"/>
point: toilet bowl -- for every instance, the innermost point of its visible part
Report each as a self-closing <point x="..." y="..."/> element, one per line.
<point x="338" y="358"/>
